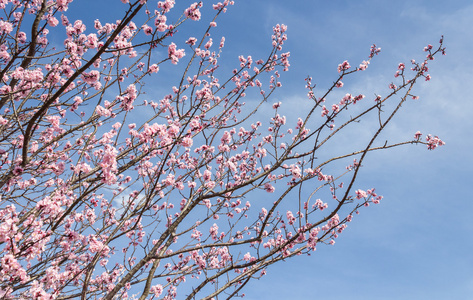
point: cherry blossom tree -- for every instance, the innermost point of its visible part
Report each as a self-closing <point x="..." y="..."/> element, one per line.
<point x="106" y="194"/>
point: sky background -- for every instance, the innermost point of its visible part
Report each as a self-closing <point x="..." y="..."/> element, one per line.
<point x="416" y="244"/>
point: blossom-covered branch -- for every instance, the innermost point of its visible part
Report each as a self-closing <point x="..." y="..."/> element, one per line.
<point x="106" y="194"/>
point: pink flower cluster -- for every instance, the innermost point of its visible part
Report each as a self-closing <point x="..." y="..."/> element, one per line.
<point x="174" y="54"/>
<point x="193" y="11"/>
<point x="433" y="142"/>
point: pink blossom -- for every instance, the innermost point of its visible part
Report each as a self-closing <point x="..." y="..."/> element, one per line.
<point x="364" y="65"/>
<point x="187" y="142"/>
<point x="128" y="98"/>
<point x="290" y="217"/>
<point x="358" y="98"/>
<point x="417" y="135"/>
<point x="343" y="66"/>
<point x="147" y="29"/>
<point x="374" y="51"/>
<point x="154" y="68"/>
<point x="101" y="111"/>
<point x="5" y="27"/>
<point x="193" y="11"/>
<point x="5" y="56"/>
<point x="247" y="256"/>
<point x="92" y="41"/>
<point x="361" y="194"/>
<point x="166" y="6"/>
<point x="191" y="41"/>
<point x="208" y="44"/>
<point x="325" y="111"/>
<point x="169" y="181"/>
<point x="91" y="77"/>
<point x="207" y="175"/>
<point x="269" y="188"/>
<point x="175" y="54"/>
<point x="62" y="4"/>
<point x="157" y="290"/>
<point x="109" y="164"/>
<point x="173" y="130"/>
<point x="17" y="170"/>
<point x="433" y="142"/>
<point x="11" y="269"/>
<point x="160" y="23"/>
<point x="214" y="231"/>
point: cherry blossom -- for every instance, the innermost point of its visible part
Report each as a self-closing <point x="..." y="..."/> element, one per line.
<point x="114" y="185"/>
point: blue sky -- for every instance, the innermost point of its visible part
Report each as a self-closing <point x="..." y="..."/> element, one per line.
<point x="417" y="244"/>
